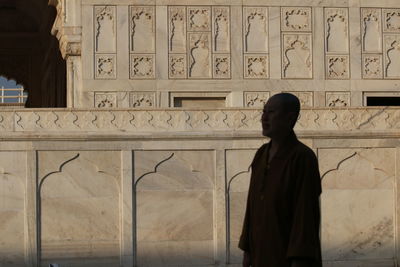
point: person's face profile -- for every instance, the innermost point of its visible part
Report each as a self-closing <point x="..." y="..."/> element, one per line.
<point x="276" y="120"/>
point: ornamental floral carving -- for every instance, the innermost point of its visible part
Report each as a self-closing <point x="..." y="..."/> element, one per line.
<point x="296" y="19"/>
<point x="105" y="29"/>
<point x="142" y="67"/>
<point x="255" y="23"/>
<point x="391" y="19"/>
<point x="199" y="19"/>
<point x="372" y="66"/>
<point x="336" y="30"/>
<point x="221" y="29"/>
<point x="256" y="99"/>
<point x="143" y="99"/>
<point x="306" y="98"/>
<point x="256" y="66"/>
<point x="392" y="56"/>
<point x="177" y="66"/>
<point x="105" y="100"/>
<point x="177" y="29"/>
<point x="105" y="66"/>
<point x="371" y="30"/>
<point x="297" y="56"/>
<point x="142" y="29"/>
<point x="222" y="66"/>
<point x="337" y="67"/>
<point x="337" y="99"/>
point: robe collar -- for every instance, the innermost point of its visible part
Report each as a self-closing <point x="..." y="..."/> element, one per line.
<point x="287" y="146"/>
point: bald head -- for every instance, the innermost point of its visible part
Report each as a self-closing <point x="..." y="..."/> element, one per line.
<point x="280" y="115"/>
<point x="288" y="102"/>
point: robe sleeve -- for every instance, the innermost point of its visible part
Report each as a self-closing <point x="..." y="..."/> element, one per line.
<point x="244" y="242"/>
<point x="304" y="241"/>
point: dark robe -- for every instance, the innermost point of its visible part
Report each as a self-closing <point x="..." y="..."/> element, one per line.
<point x="282" y="217"/>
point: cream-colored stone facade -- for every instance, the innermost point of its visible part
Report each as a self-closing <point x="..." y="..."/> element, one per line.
<point x="123" y="177"/>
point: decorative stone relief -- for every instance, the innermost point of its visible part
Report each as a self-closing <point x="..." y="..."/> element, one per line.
<point x="177" y="64"/>
<point x="255" y="66"/>
<point x="199" y="42"/>
<point x="297" y="56"/>
<point x="296" y="19"/>
<point x="142" y="67"/>
<point x="199" y="19"/>
<point x="371" y="30"/>
<point x="337" y="67"/>
<point x="256" y="99"/>
<point x="255" y="24"/>
<point x="200" y="55"/>
<point x="105" y="100"/>
<point x="372" y="66"/>
<point x="105" y="29"/>
<point x="391" y="19"/>
<point x="105" y="66"/>
<point x="306" y="98"/>
<point x="221" y="31"/>
<point x="392" y="56"/>
<point x="142" y="29"/>
<point x="143" y="99"/>
<point x="222" y="66"/>
<point x="337" y="99"/>
<point x="177" y="29"/>
<point x="336" y="30"/>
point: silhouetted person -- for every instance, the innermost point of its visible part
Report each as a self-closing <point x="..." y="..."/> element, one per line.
<point x="281" y="225"/>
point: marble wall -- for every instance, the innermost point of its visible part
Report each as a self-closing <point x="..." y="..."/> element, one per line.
<point x="79" y="189"/>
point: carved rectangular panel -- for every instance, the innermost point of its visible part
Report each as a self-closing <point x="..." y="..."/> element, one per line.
<point x="391" y="18"/>
<point x="372" y="66"/>
<point x="142" y="21"/>
<point x="199" y="42"/>
<point x="297" y="55"/>
<point x="256" y="66"/>
<point x="105" y="66"/>
<point x="337" y="99"/>
<point x="371" y="30"/>
<point x="337" y="67"/>
<point x="105" y="41"/>
<point x="142" y="66"/>
<point x="392" y="56"/>
<point x="336" y="30"/>
<point x="142" y="99"/>
<point x="200" y="55"/>
<point x="256" y="99"/>
<point x="177" y="29"/>
<point x="105" y="29"/>
<point x="306" y="98"/>
<point x="142" y="29"/>
<point x="255" y="29"/>
<point x="105" y="100"/>
<point x="297" y="19"/>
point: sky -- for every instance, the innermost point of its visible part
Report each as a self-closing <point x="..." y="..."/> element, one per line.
<point x="8" y="83"/>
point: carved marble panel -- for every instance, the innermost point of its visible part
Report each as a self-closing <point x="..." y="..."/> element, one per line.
<point x="12" y="208"/>
<point x="105" y="100"/>
<point x="296" y="19"/>
<point x="142" y="29"/>
<point x="392" y="56"/>
<point x="337" y="67"/>
<point x="255" y="29"/>
<point x="372" y="66"/>
<point x="79" y="194"/>
<point x="337" y="99"/>
<point x="142" y="99"/>
<point x="200" y="55"/>
<point x="105" y="66"/>
<point x="177" y="66"/>
<point x="199" y="18"/>
<point x="177" y="29"/>
<point x="297" y="55"/>
<point x="336" y="30"/>
<point x="256" y="99"/>
<point x="105" y="29"/>
<point x="222" y="66"/>
<point x="256" y="66"/>
<point x="306" y="98"/>
<point x="371" y="30"/>
<point x="183" y="180"/>
<point x="142" y="66"/>
<point x="221" y="29"/>
<point x="391" y="19"/>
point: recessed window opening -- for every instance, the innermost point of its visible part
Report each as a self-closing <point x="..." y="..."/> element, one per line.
<point x="199" y="102"/>
<point x="12" y="93"/>
<point x="383" y="100"/>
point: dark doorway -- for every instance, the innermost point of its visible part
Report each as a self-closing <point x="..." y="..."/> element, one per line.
<point x="383" y="101"/>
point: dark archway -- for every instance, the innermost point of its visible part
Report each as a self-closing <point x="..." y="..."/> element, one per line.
<point x="29" y="53"/>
